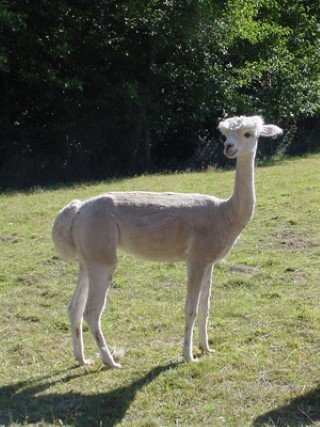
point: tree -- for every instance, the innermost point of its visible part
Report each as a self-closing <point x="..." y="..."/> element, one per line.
<point x="103" y="88"/>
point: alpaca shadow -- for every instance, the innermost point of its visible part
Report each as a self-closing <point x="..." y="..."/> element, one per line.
<point x="21" y="403"/>
<point x="301" y="411"/>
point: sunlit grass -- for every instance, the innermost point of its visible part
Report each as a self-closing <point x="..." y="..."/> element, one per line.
<point x="264" y="320"/>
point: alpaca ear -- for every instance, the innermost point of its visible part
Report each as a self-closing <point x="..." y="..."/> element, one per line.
<point x="271" y="130"/>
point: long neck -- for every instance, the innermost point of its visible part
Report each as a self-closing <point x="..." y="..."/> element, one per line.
<point x="242" y="202"/>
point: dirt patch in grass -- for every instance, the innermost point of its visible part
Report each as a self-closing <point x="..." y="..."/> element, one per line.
<point x="289" y="239"/>
<point x="244" y="269"/>
<point x="29" y="279"/>
<point x="9" y="239"/>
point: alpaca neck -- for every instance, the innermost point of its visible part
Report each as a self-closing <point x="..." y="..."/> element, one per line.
<point x="242" y="202"/>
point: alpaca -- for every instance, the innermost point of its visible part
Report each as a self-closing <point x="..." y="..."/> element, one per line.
<point x="197" y="229"/>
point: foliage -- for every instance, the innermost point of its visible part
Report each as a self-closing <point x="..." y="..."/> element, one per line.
<point x="104" y="88"/>
<point x="264" y="320"/>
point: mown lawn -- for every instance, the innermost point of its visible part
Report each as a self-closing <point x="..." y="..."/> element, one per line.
<point x="264" y="323"/>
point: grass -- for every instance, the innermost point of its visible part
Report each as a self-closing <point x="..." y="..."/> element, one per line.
<point x="264" y="320"/>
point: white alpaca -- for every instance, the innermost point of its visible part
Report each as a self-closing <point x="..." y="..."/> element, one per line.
<point x="194" y="228"/>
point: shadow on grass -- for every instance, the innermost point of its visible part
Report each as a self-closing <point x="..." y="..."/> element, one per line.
<point x="299" y="412"/>
<point x="28" y="402"/>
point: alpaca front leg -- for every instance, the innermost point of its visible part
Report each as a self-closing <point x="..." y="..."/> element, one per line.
<point x="203" y="315"/>
<point x="75" y="311"/>
<point x="195" y="274"/>
<point x="99" y="282"/>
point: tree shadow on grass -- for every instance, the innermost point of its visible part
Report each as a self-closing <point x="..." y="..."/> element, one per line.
<point x="301" y="411"/>
<point x="27" y="402"/>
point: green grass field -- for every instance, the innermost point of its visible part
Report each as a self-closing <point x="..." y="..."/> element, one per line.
<point x="264" y="321"/>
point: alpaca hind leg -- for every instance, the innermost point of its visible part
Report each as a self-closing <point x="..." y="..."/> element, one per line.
<point x="100" y="278"/>
<point x="195" y="275"/>
<point x="203" y="314"/>
<point x="75" y="311"/>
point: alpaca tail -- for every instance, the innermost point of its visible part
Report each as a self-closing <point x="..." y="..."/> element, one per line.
<point x="62" y="230"/>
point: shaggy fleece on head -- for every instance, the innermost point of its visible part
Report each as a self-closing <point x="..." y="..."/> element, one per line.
<point x="234" y="123"/>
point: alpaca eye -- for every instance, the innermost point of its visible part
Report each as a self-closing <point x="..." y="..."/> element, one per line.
<point x="247" y="134"/>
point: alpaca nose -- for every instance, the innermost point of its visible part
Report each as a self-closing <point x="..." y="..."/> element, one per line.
<point x="230" y="149"/>
<point x="228" y="146"/>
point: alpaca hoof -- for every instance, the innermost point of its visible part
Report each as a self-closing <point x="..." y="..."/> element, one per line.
<point x="193" y="360"/>
<point x="85" y="362"/>
<point x="112" y="365"/>
<point x="189" y="358"/>
<point x="207" y="351"/>
<point x="116" y="366"/>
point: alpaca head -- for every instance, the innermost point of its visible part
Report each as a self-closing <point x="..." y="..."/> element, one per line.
<point x="242" y="134"/>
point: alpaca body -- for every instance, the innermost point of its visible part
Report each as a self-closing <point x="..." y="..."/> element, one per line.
<point x="164" y="227"/>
